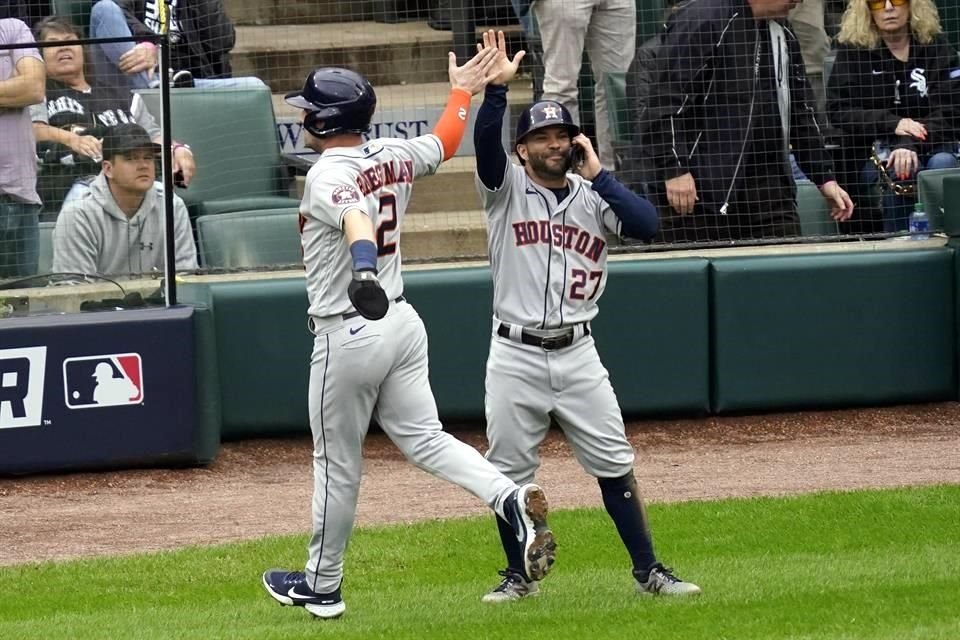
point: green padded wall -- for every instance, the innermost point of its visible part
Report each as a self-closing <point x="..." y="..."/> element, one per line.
<point x="263" y="353"/>
<point x="456" y="307"/>
<point x="653" y="333"/>
<point x="833" y="330"/>
<point x="207" y="385"/>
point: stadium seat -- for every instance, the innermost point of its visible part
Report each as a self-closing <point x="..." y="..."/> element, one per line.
<point x="233" y="135"/>
<point x="814" y="214"/>
<point x="930" y="188"/>
<point x="76" y="11"/>
<point x="46" y="247"/>
<point x="267" y="237"/>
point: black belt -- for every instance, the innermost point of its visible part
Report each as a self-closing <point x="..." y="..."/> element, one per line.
<point x="547" y="343"/>
<point x="354" y="314"/>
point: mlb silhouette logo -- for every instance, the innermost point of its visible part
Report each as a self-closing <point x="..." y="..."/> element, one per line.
<point x="103" y="381"/>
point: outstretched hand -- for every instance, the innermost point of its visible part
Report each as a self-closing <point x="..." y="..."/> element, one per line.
<point x="475" y="73"/>
<point x="504" y="68"/>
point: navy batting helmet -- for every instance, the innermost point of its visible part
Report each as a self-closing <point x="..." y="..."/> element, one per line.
<point x="545" y="113"/>
<point x="339" y="101"/>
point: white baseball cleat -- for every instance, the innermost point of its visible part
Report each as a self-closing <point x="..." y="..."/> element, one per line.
<point x="513" y="587"/>
<point x="527" y="512"/>
<point x="661" y="582"/>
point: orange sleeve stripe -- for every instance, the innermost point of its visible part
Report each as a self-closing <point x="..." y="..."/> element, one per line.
<point x="453" y="122"/>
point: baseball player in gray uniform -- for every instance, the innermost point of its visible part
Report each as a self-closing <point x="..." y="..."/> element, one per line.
<point x="370" y="349"/>
<point x="547" y="220"/>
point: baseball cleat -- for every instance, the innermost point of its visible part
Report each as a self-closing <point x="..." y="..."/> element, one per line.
<point x="290" y="588"/>
<point x="513" y="587"/>
<point x="661" y="582"/>
<point x="529" y="518"/>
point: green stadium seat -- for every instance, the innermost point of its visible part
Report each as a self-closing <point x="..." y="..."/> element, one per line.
<point x="233" y="135"/>
<point x="268" y="237"/>
<point x="814" y="214"/>
<point x="930" y="193"/>
<point x="46" y="247"/>
<point x="76" y="11"/>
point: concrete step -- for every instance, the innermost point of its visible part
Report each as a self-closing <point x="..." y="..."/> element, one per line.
<point x="278" y="12"/>
<point x="386" y="54"/>
<point x="261" y="12"/>
<point x="450" y="234"/>
<point x="407" y="96"/>
<point x="452" y="187"/>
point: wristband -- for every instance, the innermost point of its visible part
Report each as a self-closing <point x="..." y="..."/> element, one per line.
<point x="364" y="255"/>
<point x="179" y="145"/>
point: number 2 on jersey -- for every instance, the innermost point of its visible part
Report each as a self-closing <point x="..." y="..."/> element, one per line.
<point x="387" y="218"/>
<point x="580" y="278"/>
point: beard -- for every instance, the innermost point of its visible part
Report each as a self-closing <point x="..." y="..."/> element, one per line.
<point x="547" y="167"/>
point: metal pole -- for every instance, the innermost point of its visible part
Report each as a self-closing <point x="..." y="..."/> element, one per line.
<point x="170" y="267"/>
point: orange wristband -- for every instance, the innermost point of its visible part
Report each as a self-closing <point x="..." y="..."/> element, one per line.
<point x="453" y="122"/>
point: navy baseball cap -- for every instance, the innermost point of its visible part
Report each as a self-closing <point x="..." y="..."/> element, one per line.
<point x="124" y="138"/>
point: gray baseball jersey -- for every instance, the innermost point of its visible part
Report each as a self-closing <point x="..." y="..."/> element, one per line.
<point x="548" y="259"/>
<point x="377" y="178"/>
<point x="549" y="265"/>
<point x="362" y="369"/>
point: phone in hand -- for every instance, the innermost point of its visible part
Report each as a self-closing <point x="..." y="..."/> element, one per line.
<point x="575" y="157"/>
<point x="178" y="180"/>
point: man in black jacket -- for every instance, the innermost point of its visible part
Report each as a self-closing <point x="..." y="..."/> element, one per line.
<point x="731" y="101"/>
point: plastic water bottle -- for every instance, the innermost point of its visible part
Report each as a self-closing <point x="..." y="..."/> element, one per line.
<point x="919" y="223"/>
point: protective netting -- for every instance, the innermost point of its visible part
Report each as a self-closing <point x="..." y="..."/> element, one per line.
<point x="736" y="120"/>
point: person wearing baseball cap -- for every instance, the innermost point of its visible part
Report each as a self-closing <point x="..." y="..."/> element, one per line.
<point x="116" y="226"/>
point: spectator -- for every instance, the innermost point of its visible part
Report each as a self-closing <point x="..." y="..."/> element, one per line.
<point x="116" y="226"/>
<point x="731" y="98"/>
<point x="608" y="31"/>
<point x="891" y="90"/>
<point x="201" y="37"/>
<point x="807" y="22"/>
<point x="21" y="85"/>
<point x="634" y="167"/>
<point x="77" y="112"/>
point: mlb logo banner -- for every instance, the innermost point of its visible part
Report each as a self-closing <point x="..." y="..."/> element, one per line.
<point x="21" y="386"/>
<point x="103" y="381"/>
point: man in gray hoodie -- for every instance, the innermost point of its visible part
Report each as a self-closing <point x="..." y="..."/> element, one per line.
<point x="116" y="227"/>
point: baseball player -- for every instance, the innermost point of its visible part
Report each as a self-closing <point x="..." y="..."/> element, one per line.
<point x="370" y="348"/>
<point x="546" y="220"/>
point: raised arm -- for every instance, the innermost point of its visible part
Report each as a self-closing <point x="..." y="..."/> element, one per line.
<point x="465" y="82"/>
<point x="491" y="158"/>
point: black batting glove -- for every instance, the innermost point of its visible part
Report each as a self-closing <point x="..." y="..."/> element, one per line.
<point x="367" y="296"/>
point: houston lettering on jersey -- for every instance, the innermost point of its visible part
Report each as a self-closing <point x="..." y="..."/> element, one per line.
<point x="384" y="174"/>
<point x="559" y="235"/>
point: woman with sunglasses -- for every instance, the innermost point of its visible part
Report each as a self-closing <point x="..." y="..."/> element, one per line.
<point x="893" y="94"/>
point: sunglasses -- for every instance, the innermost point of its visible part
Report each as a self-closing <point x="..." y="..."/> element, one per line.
<point x="880" y="5"/>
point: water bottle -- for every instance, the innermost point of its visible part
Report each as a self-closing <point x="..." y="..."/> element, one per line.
<point x="919" y="223"/>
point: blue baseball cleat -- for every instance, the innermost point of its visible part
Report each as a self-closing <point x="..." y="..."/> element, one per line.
<point x="290" y="588"/>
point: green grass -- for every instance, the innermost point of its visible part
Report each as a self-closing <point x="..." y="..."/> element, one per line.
<point x="877" y="565"/>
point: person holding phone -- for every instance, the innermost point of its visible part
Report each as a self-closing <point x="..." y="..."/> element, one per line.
<point x="547" y="221"/>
